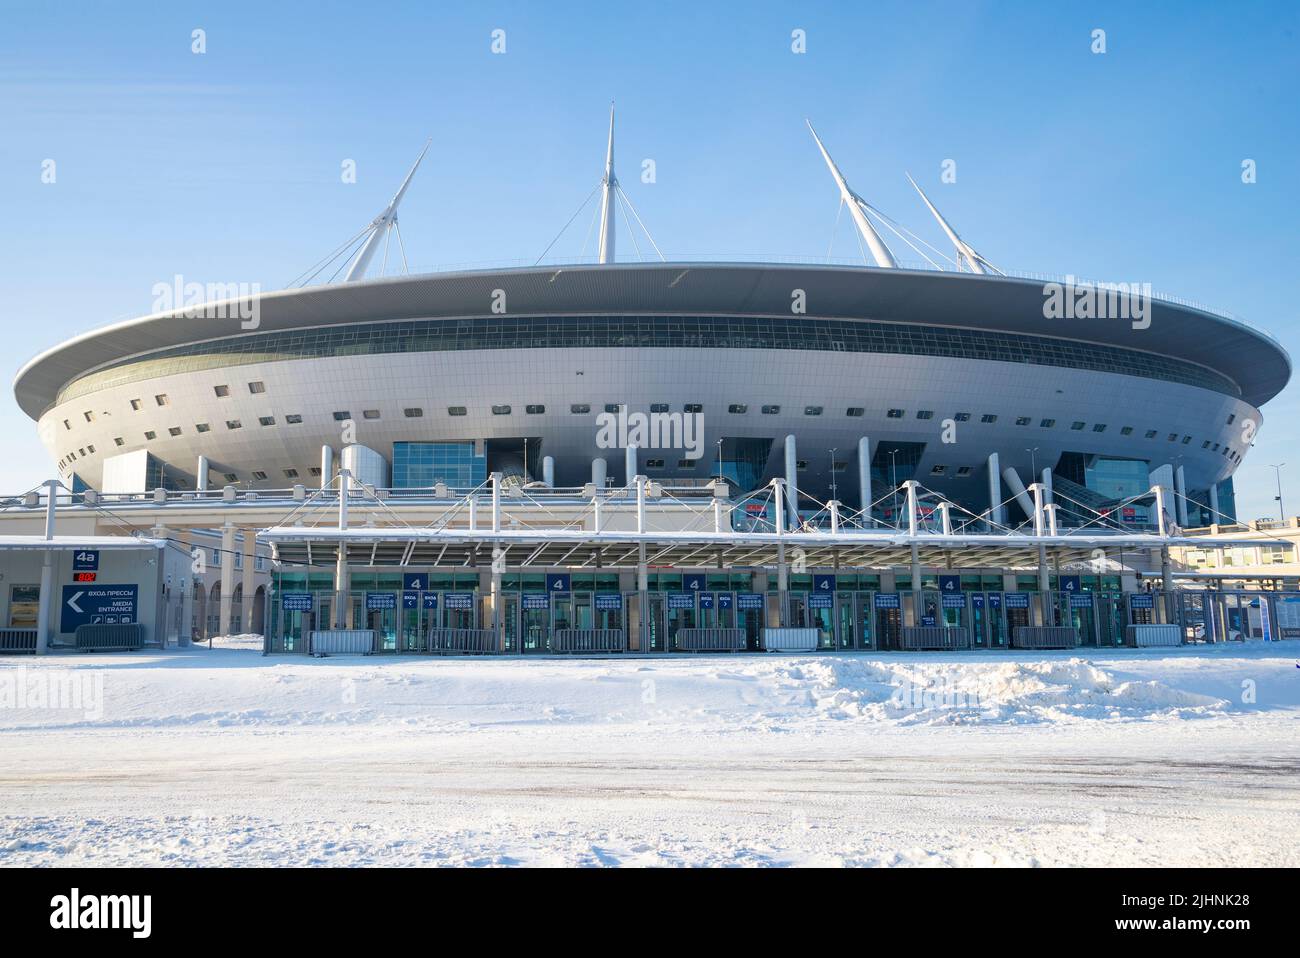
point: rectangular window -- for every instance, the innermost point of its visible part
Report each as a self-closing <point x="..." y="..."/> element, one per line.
<point x="1126" y="431"/>
<point x="1022" y="420"/>
<point x="536" y="409"/>
<point x="771" y="410"/>
<point x="266" y="420"/>
<point x="895" y="414"/>
<point x="611" y="407"/>
<point x="293" y="418"/>
<point x="230" y="477"/>
<point x="1151" y="434"/>
<point x="292" y="474"/>
<point x="257" y="387"/>
<point x="812" y="410"/>
<point x="315" y="470"/>
<point x="234" y="424"/>
<point x="342" y="415"/>
<point x="580" y="408"/>
<point x="173" y="430"/>
<point x="801" y="464"/>
<point x="1231" y="418"/>
<point x="659" y="407"/>
<point x="693" y="408"/>
<point x="925" y="414"/>
<point x="1173" y="436"/>
<point x="738" y="409"/>
<point x="988" y="418"/>
<point x="412" y="412"/>
<point x="455" y="410"/>
<point x="1098" y="427"/>
<point x="938" y="470"/>
<point x="260" y="477"/>
<point x="161" y="399"/>
<point x="962" y="417"/>
<point x="149" y="435"/>
<point x="90" y="416"/>
<point x="119" y="441"/>
<point x="201" y="427"/>
<point x="855" y="412"/>
<point x="500" y="410"/>
<point x="370" y="414"/>
<point x="963" y="471"/>
<point x="1077" y="425"/>
<point x="1046" y="423"/>
<point x="221" y="391"/>
<point x="654" y="463"/>
<point x="135" y="404"/>
<point x="686" y="463"/>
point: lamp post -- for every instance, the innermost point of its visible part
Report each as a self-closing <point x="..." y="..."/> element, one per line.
<point x="833" y="488"/>
<point x="719" y="460"/>
<point x="1277" y="470"/>
<point x="893" y="479"/>
<point x="1033" y="463"/>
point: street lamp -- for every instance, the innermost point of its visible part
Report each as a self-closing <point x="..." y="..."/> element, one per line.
<point x="833" y="448"/>
<point x="719" y="460"/>
<point x="893" y="479"/>
<point x="1277" y="469"/>
<point x="1033" y="463"/>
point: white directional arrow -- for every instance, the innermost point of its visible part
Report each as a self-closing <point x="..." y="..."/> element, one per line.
<point x="72" y="602"/>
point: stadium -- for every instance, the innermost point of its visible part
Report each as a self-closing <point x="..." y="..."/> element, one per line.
<point x="869" y="386"/>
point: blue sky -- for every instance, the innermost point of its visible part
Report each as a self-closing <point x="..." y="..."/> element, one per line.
<point x="225" y="166"/>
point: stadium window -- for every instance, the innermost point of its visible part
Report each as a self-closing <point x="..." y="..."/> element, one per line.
<point x="266" y="420"/>
<point x="257" y="387"/>
<point x="173" y="430"/>
<point x="988" y="418"/>
<point x="1231" y="417"/>
<point x="293" y="418"/>
<point x="895" y="414"/>
<point x="234" y="424"/>
<point x="654" y="463"/>
<point x="693" y="407"/>
<point x="67" y="425"/>
<point x="501" y="410"/>
<point x="90" y="416"/>
<point x="119" y="441"/>
<point x="135" y="404"/>
<point x="1022" y="420"/>
<point x="1126" y="431"/>
<point x="230" y="477"/>
<point x="1206" y="444"/>
<point x="291" y="474"/>
<point x="161" y="399"/>
<point x="580" y="408"/>
<point x="659" y="407"/>
<point x="536" y="409"/>
<point x="342" y="415"/>
<point x="612" y="407"/>
<point x="812" y="410"/>
<point x="1046" y="423"/>
<point x="1077" y="425"/>
<point x="221" y="391"/>
<point x="771" y="410"/>
<point x="455" y="410"/>
<point x="938" y="470"/>
<point x="260" y="476"/>
<point x="962" y="417"/>
<point x="963" y="471"/>
<point x="1186" y="440"/>
<point x="201" y="427"/>
<point x="1172" y="436"/>
<point x="1151" y="434"/>
<point x="370" y="414"/>
<point x="148" y="435"/>
<point x="315" y="470"/>
<point x="1216" y="448"/>
<point x="925" y="414"/>
<point x="1098" y="427"/>
<point x="413" y="412"/>
<point x="855" y="412"/>
<point x="801" y="465"/>
<point x="82" y="451"/>
<point x="738" y="409"/>
<point x="687" y="463"/>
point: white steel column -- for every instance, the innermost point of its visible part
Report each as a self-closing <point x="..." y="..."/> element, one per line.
<point x="1214" y="503"/>
<point x="608" y="191"/>
<point x="630" y="467"/>
<point x="864" y="479"/>
<point x="792" y="480"/>
<point x="598" y="473"/>
<point x="342" y="585"/>
<point x="44" y="612"/>
<point x="201" y="475"/>
<point x="326" y="466"/>
<point x="548" y="471"/>
<point x="1180" y="487"/>
<point x="227" y="577"/>
<point x="996" y="515"/>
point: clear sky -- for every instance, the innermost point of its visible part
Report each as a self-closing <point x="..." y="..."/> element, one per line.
<point x="226" y="166"/>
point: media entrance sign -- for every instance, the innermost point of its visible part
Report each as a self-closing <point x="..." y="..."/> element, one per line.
<point x="98" y="605"/>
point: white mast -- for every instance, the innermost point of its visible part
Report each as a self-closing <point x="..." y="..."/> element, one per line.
<point x="608" y="190"/>
<point x="380" y="226"/>
<point x="974" y="260"/>
<point x="879" y="251"/>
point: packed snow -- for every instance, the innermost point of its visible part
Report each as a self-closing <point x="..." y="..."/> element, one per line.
<point x="224" y="757"/>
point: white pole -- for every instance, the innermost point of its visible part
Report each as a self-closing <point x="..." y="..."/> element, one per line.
<point x="44" y="612"/>
<point x="864" y="479"/>
<point x="496" y="502"/>
<point x="630" y="467"/>
<point x="640" y="503"/>
<point x="910" y="485"/>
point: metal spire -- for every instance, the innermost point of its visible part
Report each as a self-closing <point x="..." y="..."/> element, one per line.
<point x="608" y="193"/>
<point x="974" y="260"/>
<point x="380" y="226"/>
<point x="856" y="204"/>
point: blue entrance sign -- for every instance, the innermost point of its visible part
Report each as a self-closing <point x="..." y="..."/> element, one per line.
<point x="887" y="600"/>
<point x="460" y="601"/>
<point x="823" y="583"/>
<point x="558" y="582"/>
<point x="977" y="600"/>
<point x="1141" y="602"/>
<point x="681" y="600"/>
<point x="706" y="600"/>
<point x="97" y="605"/>
<point x="1017" y="600"/>
<point x="953" y="601"/>
<point x="819" y="600"/>
<point x="693" y="581"/>
<point x="410" y="600"/>
<point x="1081" y="600"/>
<point x="533" y="601"/>
<point x="85" y="560"/>
<point x="1070" y="583"/>
<point x="927" y="620"/>
<point x="609" y="602"/>
<point x="949" y="583"/>
<point x="431" y="600"/>
<point x="724" y="600"/>
<point x="295" y="601"/>
<point x="750" y="600"/>
<point x="414" y="581"/>
<point x="995" y="600"/>
<point x="380" y="601"/>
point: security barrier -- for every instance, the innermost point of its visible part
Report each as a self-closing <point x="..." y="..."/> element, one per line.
<point x="917" y="638"/>
<point x="710" y="640"/>
<point x="790" y="640"/>
<point x="1044" y="637"/>
<point x="464" y="641"/>
<point x="1150" y="636"/>
<point x="110" y="638"/>
<point x="588" y="640"/>
<point x="341" y="642"/>
<point x="17" y="640"/>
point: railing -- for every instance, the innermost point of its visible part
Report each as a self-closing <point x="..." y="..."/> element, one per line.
<point x="18" y="641"/>
<point x="710" y="640"/>
<point x="1153" y="636"/>
<point x="933" y="638"/>
<point x="341" y="642"/>
<point x="1044" y="637"/>
<point x="464" y="641"/>
<point x="790" y="640"/>
<point x="589" y="640"/>
<point x="118" y="637"/>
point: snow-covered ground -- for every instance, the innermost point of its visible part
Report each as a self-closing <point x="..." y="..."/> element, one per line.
<point x="1124" y="757"/>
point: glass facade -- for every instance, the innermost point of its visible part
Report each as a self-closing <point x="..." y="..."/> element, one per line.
<point x="423" y="464"/>
<point x="744" y="461"/>
<point x="695" y="332"/>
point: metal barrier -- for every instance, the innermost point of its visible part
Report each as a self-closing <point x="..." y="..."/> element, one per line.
<point x="464" y="640"/>
<point x="341" y="642"/>
<point x="930" y="638"/>
<point x="588" y="640"/>
<point x="790" y="640"/>
<point x="120" y="637"/>
<point x="1044" y="637"/>
<point x="18" y="641"/>
<point x="1150" y="636"/>
<point x="711" y="640"/>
